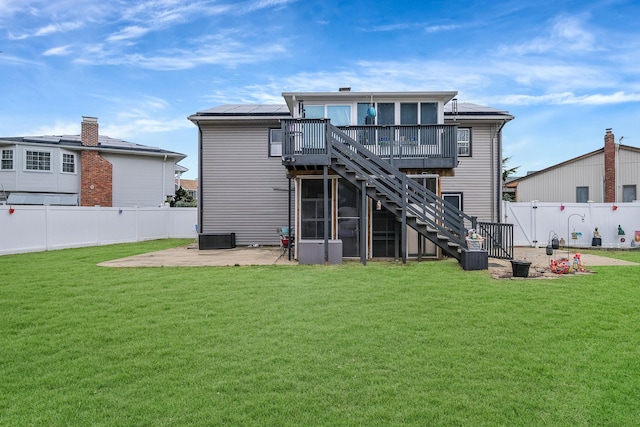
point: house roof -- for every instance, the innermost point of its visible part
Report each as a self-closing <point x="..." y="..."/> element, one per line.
<point x="105" y="144"/>
<point x="469" y="111"/>
<point x="188" y="184"/>
<point x="233" y="112"/>
<point x="291" y="98"/>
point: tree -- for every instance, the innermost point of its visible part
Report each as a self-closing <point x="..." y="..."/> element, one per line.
<point x="182" y="199"/>
<point x="506" y="173"/>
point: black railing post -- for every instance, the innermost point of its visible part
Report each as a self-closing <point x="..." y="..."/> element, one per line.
<point x="403" y="243"/>
<point x="325" y="176"/>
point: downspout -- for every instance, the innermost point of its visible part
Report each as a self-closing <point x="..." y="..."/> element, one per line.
<point x="498" y="206"/>
<point x="617" y="164"/>
<point x="289" y="219"/>
<point x="201" y="181"/>
<point x="164" y="177"/>
<point x="325" y="179"/>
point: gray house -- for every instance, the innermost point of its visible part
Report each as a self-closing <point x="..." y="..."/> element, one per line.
<point x="87" y="170"/>
<point x="373" y="175"/>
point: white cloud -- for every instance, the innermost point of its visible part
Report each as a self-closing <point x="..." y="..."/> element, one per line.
<point x="568" y="98"/>
<point x="49" y="29"/>
<point x="59" y="127"/>
<point x="133" y="31"/>
<point x="58" y="28"/>
<point x="400" y="26"/>
<point x="440" y="28"/>
<point x="566" y="34"/>
<point x="58" y="51"/>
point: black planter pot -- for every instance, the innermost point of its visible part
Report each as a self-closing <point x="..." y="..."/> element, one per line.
<point x="520" y="268"/>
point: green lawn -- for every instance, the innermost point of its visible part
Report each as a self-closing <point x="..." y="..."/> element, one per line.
<point x="381" y="344"/>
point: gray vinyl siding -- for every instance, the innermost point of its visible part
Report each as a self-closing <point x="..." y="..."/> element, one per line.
<point x="142" y="181"/>
<point x="475" y="176"/>
<point x="559" y="184"/>
<point x="244" y="191"/>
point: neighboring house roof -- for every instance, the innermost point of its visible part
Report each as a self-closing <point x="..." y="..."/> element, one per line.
<point x="188" y="184"/>
<point x="514" y="182"/>
<point x="181" y="169"/>
<point x="105" y="144"/>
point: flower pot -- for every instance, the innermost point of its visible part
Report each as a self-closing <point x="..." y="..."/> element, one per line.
<point x="520" y="268"/>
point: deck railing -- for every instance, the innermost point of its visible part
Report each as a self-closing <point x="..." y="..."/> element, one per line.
<point x="306" y="140"/>
<point x="406" y="141"/>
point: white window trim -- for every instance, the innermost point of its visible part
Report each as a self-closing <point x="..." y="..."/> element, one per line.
<point x="51" y="161"/>
<point x="75" y="163"/>
<point x="275" y="150"/>
<point x="468" y="142"/>
<point x="13" y="159"/>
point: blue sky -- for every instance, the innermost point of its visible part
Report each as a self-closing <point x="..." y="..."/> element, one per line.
<point x="566" y="69"/>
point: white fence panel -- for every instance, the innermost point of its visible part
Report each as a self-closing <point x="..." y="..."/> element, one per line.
<point x="40" y="228"/>
<point x="534" y="223"/>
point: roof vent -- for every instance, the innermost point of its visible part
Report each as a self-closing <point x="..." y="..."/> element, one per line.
<point x="344" y="89"/>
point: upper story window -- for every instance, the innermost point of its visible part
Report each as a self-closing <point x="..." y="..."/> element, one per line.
<point x="38" y="160"/>
<point x="408" y="114"/>
<point x="363" y="114"/>
<point x="275" y="142"/>
<point x="69" y="163"/>
<point x="428" y="113"/>
<point x="340" y="115"/>
<point x="386" y="113"/>
<point x="6" y="159"/>
<point x="464" y="142"/>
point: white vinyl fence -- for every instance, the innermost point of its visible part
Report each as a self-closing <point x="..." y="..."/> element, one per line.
<point x="41" y="228"/>
<point x="534" y="223"/>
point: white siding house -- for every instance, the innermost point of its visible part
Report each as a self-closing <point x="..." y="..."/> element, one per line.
<point x="87" y="169"/>
<point x="610" y="174"/>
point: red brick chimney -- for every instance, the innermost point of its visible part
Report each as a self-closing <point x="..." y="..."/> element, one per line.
<point x="96" y="182"/>
<point x="609" y="167"/>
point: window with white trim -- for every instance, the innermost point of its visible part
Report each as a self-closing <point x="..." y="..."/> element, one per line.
<point x="6" y="160"/>
<point x="38" y="160"/>
<point x="464" y="142"/>
<point x="275" y="142"/>
<point x="68" y="163"/>
<point x="340" y="115"/>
